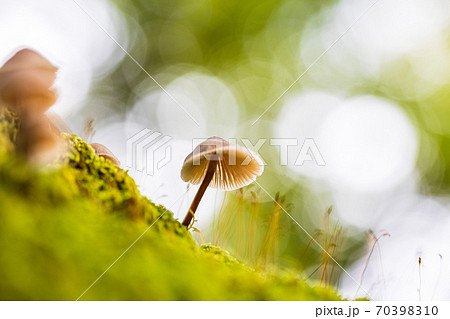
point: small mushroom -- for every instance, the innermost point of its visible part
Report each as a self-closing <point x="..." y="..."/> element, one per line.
<point x="25" y="82"/>
<point x="102" y="151"/>
<point x="219" y="164"/>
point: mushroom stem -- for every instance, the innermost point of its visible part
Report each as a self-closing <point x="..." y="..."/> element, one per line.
<point x="208" y="177"/>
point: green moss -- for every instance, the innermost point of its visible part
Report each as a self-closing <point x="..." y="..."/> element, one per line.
<point x="63" y="225"/>
<point x="8" y="130"/>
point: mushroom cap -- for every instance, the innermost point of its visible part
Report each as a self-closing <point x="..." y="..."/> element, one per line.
<point x="102" y="151"/>
<point x="237" y="166"/>
<point x="26" y="80"/>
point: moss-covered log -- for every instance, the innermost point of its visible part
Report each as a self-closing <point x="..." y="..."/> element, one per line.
<point x="63" y="225"/>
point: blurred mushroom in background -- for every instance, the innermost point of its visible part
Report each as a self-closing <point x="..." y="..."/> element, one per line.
<point x="26" y="82"/>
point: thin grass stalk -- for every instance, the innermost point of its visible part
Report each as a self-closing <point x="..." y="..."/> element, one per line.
<point x="252" y="229"/>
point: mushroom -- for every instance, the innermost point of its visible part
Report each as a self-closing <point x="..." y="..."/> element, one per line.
<point x="219" y="164"/>
<point x="25" y="82"/>
<point x="25" y="88"/>
<point x="102" y="151"/>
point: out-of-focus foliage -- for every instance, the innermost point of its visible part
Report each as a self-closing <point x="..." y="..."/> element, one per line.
<point x="252" y="45"/>
<point x="63" y="225"/>
<point x="264" y="236"/>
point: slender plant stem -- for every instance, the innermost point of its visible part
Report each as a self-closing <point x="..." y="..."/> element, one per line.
<point x="208" y="177"/>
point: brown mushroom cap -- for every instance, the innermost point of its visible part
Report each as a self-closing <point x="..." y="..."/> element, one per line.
<point x="102" y="151"/>
<point x="237" y="166"/>
<point x="26" y="80"/>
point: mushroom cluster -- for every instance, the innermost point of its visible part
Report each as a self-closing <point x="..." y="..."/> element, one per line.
<point x="218" y="164"/>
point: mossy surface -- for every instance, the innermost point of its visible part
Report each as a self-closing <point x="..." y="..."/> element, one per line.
<point x="63" y="225"/>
